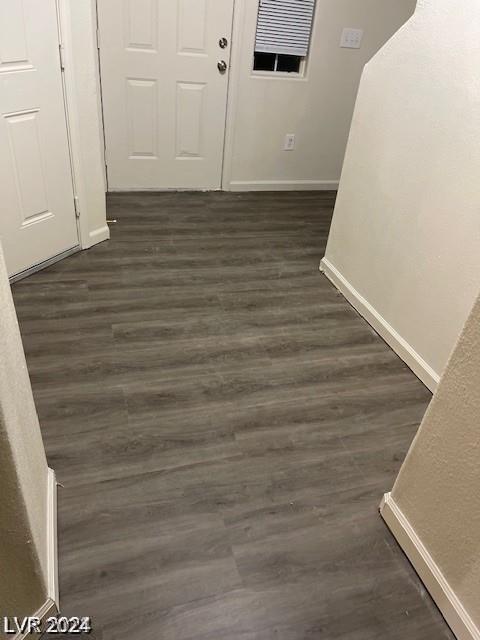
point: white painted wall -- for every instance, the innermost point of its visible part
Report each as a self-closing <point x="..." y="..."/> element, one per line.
<point x="23" y="474"/>
<point x="405" y="240"/>
<point x="437" y="489"/>
<point x="317" y="108"/>
<point x="79" y="26"/>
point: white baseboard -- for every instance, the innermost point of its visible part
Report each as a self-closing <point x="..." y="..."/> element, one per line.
<point x="247" y="185"/>
<point x="401" y="347"/>
<point x="153" y="190"/>
<point x="283" y="185"/>
<point x="435" y="582"/>
<point x="98" y="235"/>
<point x="51" y="606"/>
<point x="52" y="548"/>
<point x="47" y="610"/>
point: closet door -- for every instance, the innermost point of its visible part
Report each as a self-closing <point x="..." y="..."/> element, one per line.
<point x="37" y="213"/>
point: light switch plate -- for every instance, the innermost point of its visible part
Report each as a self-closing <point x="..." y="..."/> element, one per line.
<point x="289" y="144"/>
<point x="351" y="38"/>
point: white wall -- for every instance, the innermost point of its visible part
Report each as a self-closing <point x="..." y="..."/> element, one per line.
<point x="405" y="240"/>
<point x="317" y="108"/>
<point x="437" y="490"/>
<point x="23" y="475"/>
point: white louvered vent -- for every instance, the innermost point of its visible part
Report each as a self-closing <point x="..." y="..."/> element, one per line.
<point x="284" y="26"/>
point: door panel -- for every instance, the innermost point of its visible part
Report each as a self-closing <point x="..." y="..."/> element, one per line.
<point x="141" y="19"/>
<point x="37" y="218"/>
<point x="163" y="96"/>
<point x="190" y="118"/>
<point x="142" y="111"/>
<point x="27" y="160"/>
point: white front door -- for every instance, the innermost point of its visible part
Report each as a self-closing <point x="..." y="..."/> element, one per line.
<point x="164" y="97"/>
<point x="37" y="215"/>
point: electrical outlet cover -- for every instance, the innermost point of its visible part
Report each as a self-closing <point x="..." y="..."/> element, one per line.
<point x="289" y="142"/>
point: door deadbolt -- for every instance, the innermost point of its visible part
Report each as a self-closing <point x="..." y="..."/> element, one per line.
<point x="223" y="43"/>
<point x="222" y="66"/>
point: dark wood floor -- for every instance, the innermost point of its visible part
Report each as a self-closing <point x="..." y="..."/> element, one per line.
<point x="224" y="426"/>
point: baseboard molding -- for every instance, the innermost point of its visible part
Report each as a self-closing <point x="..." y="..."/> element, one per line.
<point x="153" y="190"/>
<point x="51" y="606"/>
<point x="247" y="185"/>
<point x="406" y="352"/>
<point x="435" y="582"/>
<point x="98" y="235"/>
<point x="52" y="545"/>
<point x="283" y="185"/>
<point x="47" y="610"/>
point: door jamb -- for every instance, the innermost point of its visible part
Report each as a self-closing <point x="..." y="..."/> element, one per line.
<point x="70" y="108"/>
<point x="238" y="27"/>
<point x="100" y="88"/>
<point x="66" y="90"/>
<point x="231" y="61"/>
<point x="73" y="128"/>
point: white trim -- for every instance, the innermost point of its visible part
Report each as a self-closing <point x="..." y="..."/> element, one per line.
<point x="100" y="99"/>
<point x="283" y="185"/>
<point x="238" y="27"/>
<point x="52" y="546"/>
<point x="99" y="235"/>
<point x="47" y="610"/>
<point x="406" y="352"/>
<point x="80" y="179"/>
<point x="71" y="111"/>
<point x="51" y="606"/>
<point x="159" y="189"/>
<point x="256" y="74"/>
<point x="435" y="582"/>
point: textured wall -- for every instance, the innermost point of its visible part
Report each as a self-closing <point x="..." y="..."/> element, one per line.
<point x="438" y="488"/>
<point x="406" y="228"/>
<point x="23" y="474"/>
<point x="317" y="108"/>
<point x="22" y="584"/>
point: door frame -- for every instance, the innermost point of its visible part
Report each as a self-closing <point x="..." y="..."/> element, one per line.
<point x="231" y="101"/>
<point x="69" y="121"/>
<point x="238" y="25"/>
<point x="89" y="233"/>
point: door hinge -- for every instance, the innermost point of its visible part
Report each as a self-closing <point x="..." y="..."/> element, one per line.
<point x="60" y="51"/>
<point x="76" y="204"/>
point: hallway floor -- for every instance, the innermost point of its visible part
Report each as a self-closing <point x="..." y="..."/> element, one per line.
<point x="224" y="425"/>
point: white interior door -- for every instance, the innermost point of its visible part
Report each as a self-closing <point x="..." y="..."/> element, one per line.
<point x="37" y="219"/>
<point x="164" y="97"/>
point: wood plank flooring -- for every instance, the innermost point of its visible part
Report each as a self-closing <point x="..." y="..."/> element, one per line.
<point x="224" y="425"/>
